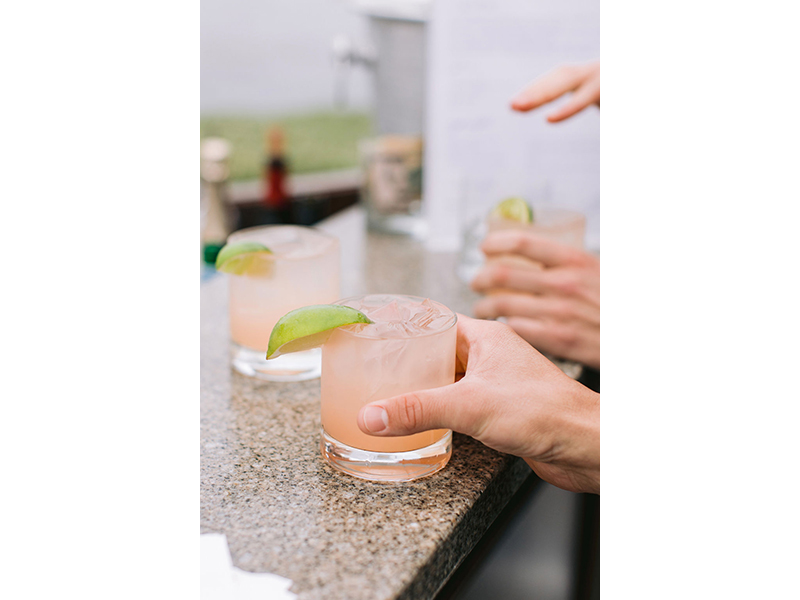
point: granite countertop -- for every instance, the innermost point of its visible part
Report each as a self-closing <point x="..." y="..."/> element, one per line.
<point x="284" y="511"/>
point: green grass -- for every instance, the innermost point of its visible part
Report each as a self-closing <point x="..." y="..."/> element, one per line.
<point x="315" y="142"/>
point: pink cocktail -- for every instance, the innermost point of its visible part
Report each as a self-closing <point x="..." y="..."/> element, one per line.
<point x="304" y="270"/>
<point x="560" y="225"/>
<point x="410" y="346"/>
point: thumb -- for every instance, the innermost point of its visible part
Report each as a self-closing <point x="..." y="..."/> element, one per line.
<point x="420" y="411"/>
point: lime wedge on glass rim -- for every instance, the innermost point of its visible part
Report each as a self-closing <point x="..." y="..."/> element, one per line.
<point x="245" y="258"/>
<point x="513" y="209"/>
<point x="310" y="327"/>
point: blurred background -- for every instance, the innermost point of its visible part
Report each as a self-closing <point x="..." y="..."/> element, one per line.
<point x="266" y="63"/>
<point x="309" y="107"/>
<point x="313" y="105"/>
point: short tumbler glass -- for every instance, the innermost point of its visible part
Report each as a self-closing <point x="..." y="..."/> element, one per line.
<point x="561" y="225"/>
<point x="410" y="347"/>
<point x="305" y="271"/>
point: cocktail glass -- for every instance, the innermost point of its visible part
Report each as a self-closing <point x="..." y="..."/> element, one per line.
<point x="305" y="270"/>
<point x="567" y="227"/>
<point x="410" y="346"/>
<point x="558" y="224"/>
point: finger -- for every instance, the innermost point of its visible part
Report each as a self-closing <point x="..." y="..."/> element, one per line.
<point x="574" y="343"/>
<point x="470" y="333"/>
<point x="586" y="95"/>
<point x="543" y="335"/>
<point x="496" y="276"/>
<point x="547" y="88"/>
<point x="531" y="245"/>
<point x="448" y="407"/>
<point x="514" y="304"/>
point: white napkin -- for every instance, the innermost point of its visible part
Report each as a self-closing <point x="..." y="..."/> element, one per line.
<point x="220" y="580"/>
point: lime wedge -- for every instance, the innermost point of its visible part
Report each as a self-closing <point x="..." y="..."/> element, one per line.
<point x="245" y="258"/>
<point x="310" y="327"/>
<point x="513" y="209"/>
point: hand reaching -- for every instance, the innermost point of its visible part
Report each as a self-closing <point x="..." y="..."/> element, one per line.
<point x="582" y="80"/>
<point x="555" y="308"/>
<point x="510" y="398"/>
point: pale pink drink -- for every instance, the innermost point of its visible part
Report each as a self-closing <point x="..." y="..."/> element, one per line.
<point x="567" y="227"/>
<point x="410" y="346"/>
<point x="305" y="270"/>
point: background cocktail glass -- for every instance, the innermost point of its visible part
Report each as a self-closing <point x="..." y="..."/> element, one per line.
<point x="567" y="227"/>
<point x="411" y="346"/>
<point x="558" y="224"/>
<point x="305" y="271"/>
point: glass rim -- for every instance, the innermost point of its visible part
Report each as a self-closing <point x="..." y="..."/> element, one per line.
<point x="570" y="220"/>
<point x="552" y="211"/>
<point x="421" y="298"/>
<point x="332" y="238"/>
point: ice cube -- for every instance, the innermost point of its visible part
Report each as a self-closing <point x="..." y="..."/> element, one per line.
<point x="387" y="313"/>
<point x="424" y="314"/>
<point x="382" y="364"/>
<point x="395" y="317"/>
<point x="440" y="322"/>
<point x="388" y="329"/>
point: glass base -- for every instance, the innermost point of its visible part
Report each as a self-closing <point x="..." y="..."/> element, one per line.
<point x="386" y="466"/>
<point x="470" y="258"/>
<point x="298" y="366"/>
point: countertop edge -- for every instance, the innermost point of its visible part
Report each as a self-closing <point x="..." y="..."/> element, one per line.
<point x="433" y="576"/>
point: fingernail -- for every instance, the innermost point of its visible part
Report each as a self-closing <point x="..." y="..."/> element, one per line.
<point x="375" y="419"/>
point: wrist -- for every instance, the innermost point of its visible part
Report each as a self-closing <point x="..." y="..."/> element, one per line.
<point x="575" y="451"/>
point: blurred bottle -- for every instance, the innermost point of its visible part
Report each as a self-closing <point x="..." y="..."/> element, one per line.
<point x="217" y="216"/>
<point x="392" y="187"/>
<point x="276" y="172"/>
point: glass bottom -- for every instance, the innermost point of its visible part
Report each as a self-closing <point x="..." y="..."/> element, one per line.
<point x="386" y="466"/>
<point x="470" y="258"/>
<point x="298" y="366"/>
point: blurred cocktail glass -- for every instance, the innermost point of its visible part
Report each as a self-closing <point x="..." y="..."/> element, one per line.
<point x="410" y="346"/>
<point x="304" y="270"/>
<point x="558" y="224"/>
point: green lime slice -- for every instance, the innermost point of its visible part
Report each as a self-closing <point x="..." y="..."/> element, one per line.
<point x="245" y="258"/>
<point x="310" y="327"/>
<point x="513" y="209"/>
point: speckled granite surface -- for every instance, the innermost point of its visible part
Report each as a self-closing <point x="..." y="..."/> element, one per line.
<point x="284" y="511"/>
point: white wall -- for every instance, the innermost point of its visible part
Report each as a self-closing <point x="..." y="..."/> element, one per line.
<point x="481" y="53"/>
<point x="268" y="56"/>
